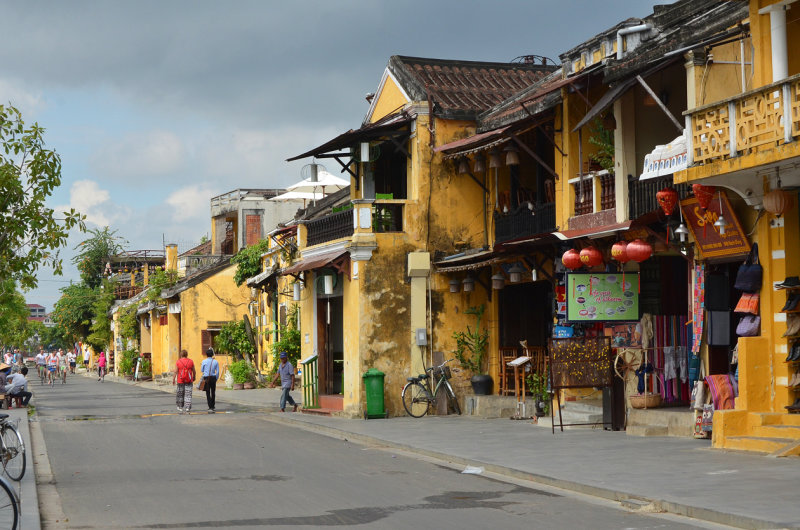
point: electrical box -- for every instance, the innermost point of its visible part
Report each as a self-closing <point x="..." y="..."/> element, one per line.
<point x="422" y="337"/>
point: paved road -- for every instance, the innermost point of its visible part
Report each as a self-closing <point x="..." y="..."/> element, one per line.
<point x="122" y="458"/>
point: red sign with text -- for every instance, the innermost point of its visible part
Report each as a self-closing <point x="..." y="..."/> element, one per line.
<point x="709" y="241"/>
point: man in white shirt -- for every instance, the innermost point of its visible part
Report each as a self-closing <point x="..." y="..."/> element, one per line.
<point x="72" y="360"/>
<point x="17" y="386"/>
<point x="41" y="363"/>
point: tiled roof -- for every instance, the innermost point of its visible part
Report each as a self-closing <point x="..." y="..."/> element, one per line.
<point x="461" y="89"/>
<point x="202" y="248"/>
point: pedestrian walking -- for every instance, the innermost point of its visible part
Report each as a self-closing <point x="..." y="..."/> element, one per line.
<point x="86" y="356"/>
<point x="72" y="360"/>
<point x="286" y="375"/>
<point x="101" y="367"/>
<point x="209" y="369"/>
<point x="184" y="376"/>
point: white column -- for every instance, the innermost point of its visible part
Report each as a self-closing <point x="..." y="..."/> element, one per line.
<point x="777" y="29"/>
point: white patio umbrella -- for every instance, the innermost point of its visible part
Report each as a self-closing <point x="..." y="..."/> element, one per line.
<point x="326" y="183"/>
<point x="297" y="196"/>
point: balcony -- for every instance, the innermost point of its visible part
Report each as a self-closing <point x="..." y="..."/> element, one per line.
<point x="642" y="194"/>
<point x="525" y="221"/>
<point x="598" y="193"/>
<point x="756" y="120"/>
<point x="387" y="217"/>
<point x="329" y="228"/>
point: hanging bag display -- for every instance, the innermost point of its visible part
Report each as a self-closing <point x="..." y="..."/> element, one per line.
<point x="748" y="303"/>
<point x="749" y="326"/>
<point x="748" y="279"/>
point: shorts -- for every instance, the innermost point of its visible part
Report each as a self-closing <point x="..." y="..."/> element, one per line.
<point x="72" y="364"/>
<point x="86" y="361"/>
<point x="51" y="368"/>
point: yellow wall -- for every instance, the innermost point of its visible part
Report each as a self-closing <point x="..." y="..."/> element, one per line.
<point x="389" y="101"/>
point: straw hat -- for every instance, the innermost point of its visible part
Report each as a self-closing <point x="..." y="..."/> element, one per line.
<point x="4" y="366"/>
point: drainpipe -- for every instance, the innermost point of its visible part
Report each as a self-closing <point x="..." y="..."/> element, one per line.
<point x="627" y="31"/>
<point x="777" y="32"/>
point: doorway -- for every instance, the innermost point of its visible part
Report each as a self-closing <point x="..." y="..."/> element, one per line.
<point x="525" y="313"/>
<point x="330" y="344"/>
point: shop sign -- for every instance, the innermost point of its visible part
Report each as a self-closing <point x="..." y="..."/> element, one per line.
<point x="602" y="297"/>
<point x="710" y="242"/>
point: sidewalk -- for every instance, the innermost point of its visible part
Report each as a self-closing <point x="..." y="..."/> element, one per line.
<point x="26" y="488"/>
<point x="676" y="475"/>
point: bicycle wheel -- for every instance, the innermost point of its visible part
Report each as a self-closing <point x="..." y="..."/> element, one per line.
<point x="9" y="506"/>
<point x="452" y="399"/>
<point x="415" y="400"/>
<point x="13" y="452"/>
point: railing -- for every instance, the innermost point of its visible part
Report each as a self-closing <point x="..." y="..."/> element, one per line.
<point x="310" y="383"/>
<point x="387" y="217"/>
<point x="598" y="193"/>
<point x="123" y="292"/>
<point x="525" y="221"/>
<point x="762" y="118"/>
<point x="330" y="227"/>
<point x="642" y="194"/>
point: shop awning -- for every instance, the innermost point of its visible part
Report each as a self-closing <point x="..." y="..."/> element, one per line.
<point x="260" y="279"/>
<point x="594" y="232"/>
<point x="477" y="142"/>
<point x="467" y="262"/>
<point x="613" y="94"/>
<point x="315" y="262"/>
<point x="546" y="237"/>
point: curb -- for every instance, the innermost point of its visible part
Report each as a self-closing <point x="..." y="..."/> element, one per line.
<point x="628" y="500"/>
<point x="27" y="487"/>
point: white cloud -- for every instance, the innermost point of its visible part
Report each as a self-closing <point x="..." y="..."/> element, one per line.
<point x="29" y="102"/>
<point x="140" y="156"/>
<point x="190" y="204"/>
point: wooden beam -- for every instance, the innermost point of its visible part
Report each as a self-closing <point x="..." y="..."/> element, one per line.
<point x="346" y="167"/>
<point x="544" y="133"/>
<point x="660" y="103"/>
<point x="400" y="147"/>
<point x="533" y="154"/>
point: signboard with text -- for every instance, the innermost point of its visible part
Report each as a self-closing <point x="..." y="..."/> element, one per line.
<point x="602" y="297"/>
<point x="709" y="241"/>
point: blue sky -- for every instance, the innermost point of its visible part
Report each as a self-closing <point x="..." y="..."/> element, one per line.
<point x="155" y="106"/>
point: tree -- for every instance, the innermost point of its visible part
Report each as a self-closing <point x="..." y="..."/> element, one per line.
<point x="31" y="233"/>
<point x="248" y="261"/>
<point x="100" y="335"/>
<point x="94" y="253"/>
<point x="13" y="315"/>
<point x="73" y="311"/>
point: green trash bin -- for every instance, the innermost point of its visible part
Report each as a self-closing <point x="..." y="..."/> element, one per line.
<point x="373" y="380"/>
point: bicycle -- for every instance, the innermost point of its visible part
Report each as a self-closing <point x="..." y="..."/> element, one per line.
<point x="417" y="395"/>
<point x="9" y="506"/>
<point x="12" y="449"/>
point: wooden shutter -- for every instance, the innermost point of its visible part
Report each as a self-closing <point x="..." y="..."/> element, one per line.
<point x="205" y="340"/>
<point x="252" y="229"/>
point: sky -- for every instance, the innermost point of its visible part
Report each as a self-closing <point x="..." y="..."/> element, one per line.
<point x="155" y="107"/>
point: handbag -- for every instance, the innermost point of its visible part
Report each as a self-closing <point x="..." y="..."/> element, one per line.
<point x="202" y="384"/>
<point x="748" y="303"/>
<point x="748" y="279"/>
<point x="749" y="326"/>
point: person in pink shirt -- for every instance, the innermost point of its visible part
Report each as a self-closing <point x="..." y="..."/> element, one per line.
<point x="101" y="367"/>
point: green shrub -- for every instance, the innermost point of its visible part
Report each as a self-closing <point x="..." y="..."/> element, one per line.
<point x="242" y="371"/>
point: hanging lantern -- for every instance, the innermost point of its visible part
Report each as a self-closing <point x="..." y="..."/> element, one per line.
<point x="498" y="281"/>
<point x="463" y="166"/>
<point x="296" y="292"/>
<point x="469" y="284"/>
<point x="704" y="194"/>
<point x="619" y="251"/>
<point x="494" y="158"/>
<point x="777" y="201"/>
<point x="639" y="250"/>
<point x="515" y="273"/>
<point x="480" y="163"/>
<point x="512" y="154"/>
<point x="667" y="199"/>
<point x="328" y="284"/>
<point x="591" y="257"/>
<point x="455" y="285"/>
<point x="571" y="259"/>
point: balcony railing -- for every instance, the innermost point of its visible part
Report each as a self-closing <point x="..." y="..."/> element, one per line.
<point x="387" y="217"/>
<point x="330" y="227"/>
<point x="758" y="119"/>
<point x="642" y="194"/>
<point x="525" y="221"/>
<point x="598" y="193"/>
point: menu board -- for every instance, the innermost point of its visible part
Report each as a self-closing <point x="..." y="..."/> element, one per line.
<point x="602" y="297"/>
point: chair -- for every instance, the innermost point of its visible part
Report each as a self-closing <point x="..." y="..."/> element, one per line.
<point x="506" y="386"/>
<point x="538" y="355"/>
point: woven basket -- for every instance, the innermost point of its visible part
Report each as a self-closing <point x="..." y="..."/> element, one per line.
<point x="645" y="401"/>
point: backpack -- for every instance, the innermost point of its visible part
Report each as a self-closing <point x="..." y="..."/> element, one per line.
<point x="184" y="371"/>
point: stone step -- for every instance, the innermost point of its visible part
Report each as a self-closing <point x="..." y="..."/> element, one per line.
<point x="592" y="420"/>
<point x="677" y="422"/>
<point x="319" y="412"/>
<point x="647" y="430"/>
<point x="778" y="418"/>
<point x="779" y="431"/>
<point x="587" y="406"/>
<point x="757" y="443"/>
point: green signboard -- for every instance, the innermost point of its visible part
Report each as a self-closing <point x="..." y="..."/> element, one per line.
<point x="602" y="297"/>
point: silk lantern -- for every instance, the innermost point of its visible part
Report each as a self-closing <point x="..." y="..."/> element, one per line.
<point x="571" y="259"/>
<point x="591" y="257"/>
<point x="619" y="251"/>
<point x="667" y="198"/>
<point x="777" y="201"/>
<point x="703" y="194"/>
<point x="639" y="250"/>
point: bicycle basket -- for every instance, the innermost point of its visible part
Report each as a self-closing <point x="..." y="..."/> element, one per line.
<point x="437" y="372"/>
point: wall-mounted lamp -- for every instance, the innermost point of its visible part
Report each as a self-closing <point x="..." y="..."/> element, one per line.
<point x="296" y="292"/>
<point x="455" y="285"/>
<point x="498" y="281"/>
<point x="364" y="148"/>
<point x="328" y="284"/>
<point x="515" y="273"/>
<point x="469" y="283"/>
<point x="720" y="223"/>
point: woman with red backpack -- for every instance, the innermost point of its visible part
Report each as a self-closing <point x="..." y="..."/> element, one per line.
<point x="184" y="376"/>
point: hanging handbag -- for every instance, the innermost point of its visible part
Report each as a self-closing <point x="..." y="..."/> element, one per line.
<point x="202" y="384"/>
<point x="748" y="279"/>
<point x="749" y="326"/>
<point x="748" y="303"/>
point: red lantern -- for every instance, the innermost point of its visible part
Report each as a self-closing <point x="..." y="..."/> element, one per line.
<point x="704" y="194"/>
<point x="619" y="251"/>
<point x="667" y="198"/>
<point x="591" y="257"/>
<point x="571" y="259"/>
<point x="639" y="250"/>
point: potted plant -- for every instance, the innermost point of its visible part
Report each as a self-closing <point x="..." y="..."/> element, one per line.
<point x="146" y="370"/>
<point x="537" y="384"/>
<point x="127" y="363"/>
<point x="471" y="350"/>
<point x="242" y="373"/>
